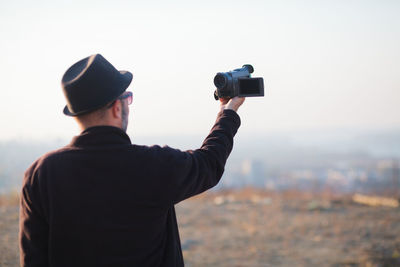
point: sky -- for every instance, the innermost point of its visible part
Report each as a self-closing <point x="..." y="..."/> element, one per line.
<point x="325" y="64"/>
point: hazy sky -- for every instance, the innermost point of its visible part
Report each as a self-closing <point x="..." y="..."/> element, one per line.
<point x="326" y="64"/>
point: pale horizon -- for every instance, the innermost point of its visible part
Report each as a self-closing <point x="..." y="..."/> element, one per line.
<point x="325" y="65"/>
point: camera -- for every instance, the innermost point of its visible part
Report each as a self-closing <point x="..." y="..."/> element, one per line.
<point x="238" y="83"/>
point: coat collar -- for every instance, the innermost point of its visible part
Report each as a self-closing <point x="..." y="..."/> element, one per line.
<point x="100" y="135"/>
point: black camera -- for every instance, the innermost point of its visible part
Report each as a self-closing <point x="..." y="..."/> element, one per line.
<point x="238" y="83"/>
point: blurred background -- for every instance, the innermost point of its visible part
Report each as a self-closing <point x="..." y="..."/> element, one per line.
<point x="328" y="126"/>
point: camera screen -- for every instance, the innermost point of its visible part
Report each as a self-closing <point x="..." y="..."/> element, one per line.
<point x="251" y="86"/>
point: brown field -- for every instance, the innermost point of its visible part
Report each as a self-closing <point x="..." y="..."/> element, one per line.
<point x="257" y="228"/>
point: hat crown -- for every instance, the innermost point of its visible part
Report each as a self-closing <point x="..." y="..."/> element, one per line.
<point x="91" y="83"/>
<point x="77" y="69"/>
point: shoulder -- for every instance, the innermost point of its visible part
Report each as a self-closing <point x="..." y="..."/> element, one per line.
<point x="156" y="149"/>
<point x="52" y="156"/>
<point x="39" y="165"/>
<point x="162" y="154"/>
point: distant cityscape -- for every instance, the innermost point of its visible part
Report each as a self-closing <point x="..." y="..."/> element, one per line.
<point x="343" y="162"/>
<point x="370" y="176"/>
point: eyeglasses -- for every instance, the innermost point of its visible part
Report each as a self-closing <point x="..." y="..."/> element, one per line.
<point x="126" y="95"/>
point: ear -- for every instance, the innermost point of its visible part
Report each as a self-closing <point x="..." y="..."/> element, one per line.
<point x="117" y="110"/>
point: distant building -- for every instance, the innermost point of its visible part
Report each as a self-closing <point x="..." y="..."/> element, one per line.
<point x="253" y="173"/>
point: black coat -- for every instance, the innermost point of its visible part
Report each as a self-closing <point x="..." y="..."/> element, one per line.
<point x="101" y="201"/>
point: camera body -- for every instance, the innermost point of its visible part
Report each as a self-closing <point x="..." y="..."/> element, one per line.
<point x="238" y="83"/>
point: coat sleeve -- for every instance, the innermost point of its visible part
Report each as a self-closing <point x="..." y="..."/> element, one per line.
<point x="33" y="227"/>
<point x="188" y="173"/>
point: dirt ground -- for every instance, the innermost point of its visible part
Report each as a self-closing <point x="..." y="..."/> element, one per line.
<point x="257" y="228"/>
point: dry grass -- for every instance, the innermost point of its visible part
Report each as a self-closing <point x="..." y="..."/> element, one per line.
<point x="257" y="228"/>
<point x="9" y="230"/>
<point x="9" y="200"/>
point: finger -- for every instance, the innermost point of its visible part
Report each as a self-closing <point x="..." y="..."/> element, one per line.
<point x="223" y="100"/>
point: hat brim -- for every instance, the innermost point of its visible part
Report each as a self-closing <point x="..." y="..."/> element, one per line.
<point x="127" y="79"/>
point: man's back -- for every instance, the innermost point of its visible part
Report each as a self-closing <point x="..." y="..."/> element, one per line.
<point x="103" y="201"/>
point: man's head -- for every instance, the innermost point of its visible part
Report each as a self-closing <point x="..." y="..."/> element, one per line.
<point x="95" y="93"/>
<point x="115" y="114"/>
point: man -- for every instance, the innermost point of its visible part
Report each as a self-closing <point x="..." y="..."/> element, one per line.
<point x="102" y="201"/>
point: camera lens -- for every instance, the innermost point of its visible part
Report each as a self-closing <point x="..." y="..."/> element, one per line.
<point x="220" y="80"/>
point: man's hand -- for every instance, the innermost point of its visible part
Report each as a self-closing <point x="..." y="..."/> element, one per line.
<point x="233" y="103"/>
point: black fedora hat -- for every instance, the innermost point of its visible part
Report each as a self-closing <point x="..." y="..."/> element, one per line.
<point x="91" y="83"/>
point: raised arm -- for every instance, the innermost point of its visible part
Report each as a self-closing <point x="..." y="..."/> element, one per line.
<point x="187" y="173"/>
